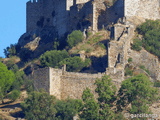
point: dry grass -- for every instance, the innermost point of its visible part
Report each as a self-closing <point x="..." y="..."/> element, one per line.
<point x="92" y="46"/>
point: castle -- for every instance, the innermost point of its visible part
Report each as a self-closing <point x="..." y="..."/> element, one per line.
<point x="68" y="15"/>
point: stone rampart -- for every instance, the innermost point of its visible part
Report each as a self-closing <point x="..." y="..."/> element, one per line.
<point x="71" y="84"/>
<point x="148" y="9"/>
<point x="68" y="15"/>
<point x="41" y="79"/>
<point x="63" y="84"/>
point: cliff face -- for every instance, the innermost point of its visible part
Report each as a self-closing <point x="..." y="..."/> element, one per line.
<point x="151" y="62"/>
<point x="37" y="42"/>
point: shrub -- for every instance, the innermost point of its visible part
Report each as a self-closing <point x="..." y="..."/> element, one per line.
<point x="75" y="63"/>
<point x="52" y="58"/>
<point x="7" y="78"/>
<point x="25" y="54"/>
<point x="137" y="92"/>
<point x="150" y="31"/>
<point x="74" y="38"/>
<point x="137" y="45"/>
<point x="128" y="71"/>
<point x="67" y="109"/>
<point x="102" y="45"/>
<point x="11" y="50"/>
<point x="143" y="68"/>
<point x="129" y="59"/>
<point x="39" y="106"/>
<point x="157" y="84"/>
<point x="96" y="38"/>
<point x="14" y="95"/>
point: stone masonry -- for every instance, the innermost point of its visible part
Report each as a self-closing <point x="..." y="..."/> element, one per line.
<point x="63" y="84"/>
<point x="69" y="15"/>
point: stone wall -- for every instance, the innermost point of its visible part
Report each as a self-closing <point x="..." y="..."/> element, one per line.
<point x="109" y="15"/>
<point x="33" y="13"/>
<point x="75" y="83"/>
<point x="81" y="16"/>
<point x="148" y="9"/>
<point x="48" y="13"/>
<point x="41" y="79"/>
<point x="118" y="49"/>
<point x="68" y="15"/>
<point x="63" y="84"/>
<point x="70" y="84"/>
<point x="55" y="82"/>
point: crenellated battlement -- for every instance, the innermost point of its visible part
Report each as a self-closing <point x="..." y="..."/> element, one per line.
<point x="69" y="15"/>
<point x="35" y="1"/>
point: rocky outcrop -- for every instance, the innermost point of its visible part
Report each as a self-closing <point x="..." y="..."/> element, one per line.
<point x="148" y="60"/>
<point x="37" y="42"/>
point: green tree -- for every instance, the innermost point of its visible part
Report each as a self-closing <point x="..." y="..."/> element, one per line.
<point x="20" y="77"/>
<point x="75" y="63"/>
<point x="52" y="58"/>
<point x="39" y="106"/>
<point x="67" y="109"/>
<point x="7" y="77"/>
<point x="137" y="91"/>
<point x="150" y="32"/>
<point x="137" y="44"/>
<point x="90" y="109"/>
<point x="14" y="95"/>
<point x="147" y="26"/>
<point x="106" y="96"/>
<point x="74" y="38"/>
<point x="10" y="51"/>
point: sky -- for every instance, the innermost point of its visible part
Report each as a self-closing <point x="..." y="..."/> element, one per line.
<point x="12" y="22"/>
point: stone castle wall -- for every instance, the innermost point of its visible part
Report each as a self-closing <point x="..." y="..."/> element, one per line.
<point x="47" y="13"/>
<point x="41" y="79"/>
<point x="81" y="16"/>
<point x="110" y="15"/>
<point x="66" y="18"/>
<point x="148" y="9"/>
<point x="63" y="84"/>
<point x="67" y="15"/>
<point x="75" y="83"/>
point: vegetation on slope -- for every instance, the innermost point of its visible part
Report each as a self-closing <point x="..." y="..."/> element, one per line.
<point x="150" y="37"/>
<point x="7" y="78"/>
<point x="136" y="91"/>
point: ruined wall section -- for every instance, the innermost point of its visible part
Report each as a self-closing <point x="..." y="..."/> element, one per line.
<point x="148" y="9"/>
<point x="69" y="4"/>
<point x="81" y="16"/>
<point x="55" y="82"/>
<point x="41" y="79"/>
<point x="118" y="50"/>
<point x="75" y="83"/>
<point x="109" y="15"/>
<point x="63" y="84"/>
<point x="81" y="1"/>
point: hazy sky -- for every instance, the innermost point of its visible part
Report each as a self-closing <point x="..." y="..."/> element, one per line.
<point x="12" y="22"/>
